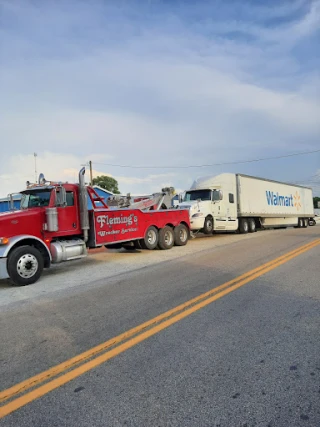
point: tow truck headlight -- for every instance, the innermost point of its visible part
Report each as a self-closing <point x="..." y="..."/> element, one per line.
<point x="196" y="215"/>
<point x="4" y="240"/>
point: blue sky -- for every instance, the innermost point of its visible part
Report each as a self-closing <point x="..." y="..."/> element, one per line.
<point x="161" y="83"/>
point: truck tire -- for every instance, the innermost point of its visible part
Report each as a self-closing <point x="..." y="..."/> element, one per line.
<point x="25" y="265"/>
<point x="311" y="222"/>
<point x="244" y="226"/>
<point x="166" y="238"/>
<point x="208" y="225"/>
<point x="181" y="235"/>
<point x="151" y="238"/>
<point x="305" y="222"/>
<point x="252" y="225"/>
<point x="300" y="223"/>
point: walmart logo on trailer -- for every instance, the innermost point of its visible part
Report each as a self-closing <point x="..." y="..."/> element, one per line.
<point x="275" y="199"/>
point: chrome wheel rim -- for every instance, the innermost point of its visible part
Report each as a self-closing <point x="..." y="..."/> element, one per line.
<point x="183" y="235"/>
<point x="168" y="238"/>
<point x="27" y="266"/>
<point x="151" y="237"/>
<point x="209" y="224"/>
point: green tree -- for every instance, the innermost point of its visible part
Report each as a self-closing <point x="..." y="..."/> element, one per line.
<point x="316" y="200"/>
<point x="107" y="182"/>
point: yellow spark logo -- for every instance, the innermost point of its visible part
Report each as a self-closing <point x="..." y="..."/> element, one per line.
<point x="297" y="201"/>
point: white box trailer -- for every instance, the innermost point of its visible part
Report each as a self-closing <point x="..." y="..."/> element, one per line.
<point x="230" y="202"/>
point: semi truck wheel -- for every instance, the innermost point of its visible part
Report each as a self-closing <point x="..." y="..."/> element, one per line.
<point x="166" y="238"/>
<point x="181" y="235"/>
<point x="208" y="225"/>
<point x="244" y="226"/>
<point x="252" y="225"/>
<point x="25" y="265"/>
<point x="151" y="238"/>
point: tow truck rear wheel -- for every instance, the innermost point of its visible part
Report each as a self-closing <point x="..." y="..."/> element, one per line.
<point x="25" y="265"/>
<point x="166" y="238"/>
<point x="181" y="235"/>
<point x="151" y="238"/>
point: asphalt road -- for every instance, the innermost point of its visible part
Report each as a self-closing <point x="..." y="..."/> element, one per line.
<point x="246" y="354"/>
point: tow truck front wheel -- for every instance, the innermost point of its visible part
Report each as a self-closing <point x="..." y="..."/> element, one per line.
<point x="25" y="265"/>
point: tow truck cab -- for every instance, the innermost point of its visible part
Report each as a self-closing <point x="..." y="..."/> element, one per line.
<point x="46" y="228"/>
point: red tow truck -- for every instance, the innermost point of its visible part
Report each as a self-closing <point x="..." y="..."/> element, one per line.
<point x="54" y="224"/>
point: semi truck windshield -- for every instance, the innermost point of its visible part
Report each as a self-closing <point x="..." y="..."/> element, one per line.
<point x="34" y="199"/>
<point x="202" y="195"/>
<point x="197" y="194"/>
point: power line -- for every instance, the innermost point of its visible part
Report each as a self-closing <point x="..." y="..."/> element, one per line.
<point x="209" y="165"/>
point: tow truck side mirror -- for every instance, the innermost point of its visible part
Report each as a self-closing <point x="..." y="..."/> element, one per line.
<point x="60" y="197"/>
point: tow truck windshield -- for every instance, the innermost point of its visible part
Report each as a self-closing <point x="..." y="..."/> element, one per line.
<point x="35" y="199"/>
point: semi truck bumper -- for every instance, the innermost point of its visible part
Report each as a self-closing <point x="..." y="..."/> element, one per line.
<point x="3" y="268"/>
<point x="196" y="223"/>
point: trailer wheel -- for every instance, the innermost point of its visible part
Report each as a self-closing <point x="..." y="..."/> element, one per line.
<point x="244" y="226"/>
<point x="25" y="265"/>
<point x="252" y="225"/>
<point x="311" y="222"/>
<point x="181" y="235"/>
<point x="300" y="223"/>
<point x="208" y="225"/>
<point x="305" y="222"/>
<point x="151" y="238"/>
<point x="166" y="238"/>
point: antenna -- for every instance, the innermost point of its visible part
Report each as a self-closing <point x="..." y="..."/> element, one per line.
<point x="35" y="166"/>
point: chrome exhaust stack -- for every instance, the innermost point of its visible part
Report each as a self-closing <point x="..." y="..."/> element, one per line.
<point x="84" y="215"/>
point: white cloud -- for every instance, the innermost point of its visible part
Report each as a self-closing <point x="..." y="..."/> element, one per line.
<point x="157" y="93"/>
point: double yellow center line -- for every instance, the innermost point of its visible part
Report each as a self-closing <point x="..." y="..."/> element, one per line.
<point x="27" y="391"/>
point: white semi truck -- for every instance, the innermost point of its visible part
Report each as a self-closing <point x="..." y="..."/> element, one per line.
<point x="235" y="202"/>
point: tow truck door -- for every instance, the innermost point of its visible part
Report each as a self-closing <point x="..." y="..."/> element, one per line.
<point x="67" y="207"/>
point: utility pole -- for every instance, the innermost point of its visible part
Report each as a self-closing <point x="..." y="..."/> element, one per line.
<point x="90" y="166"/>
<point x="35" y="166"/>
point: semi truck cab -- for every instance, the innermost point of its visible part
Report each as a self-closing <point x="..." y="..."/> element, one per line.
<point x="212" y="204"/>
